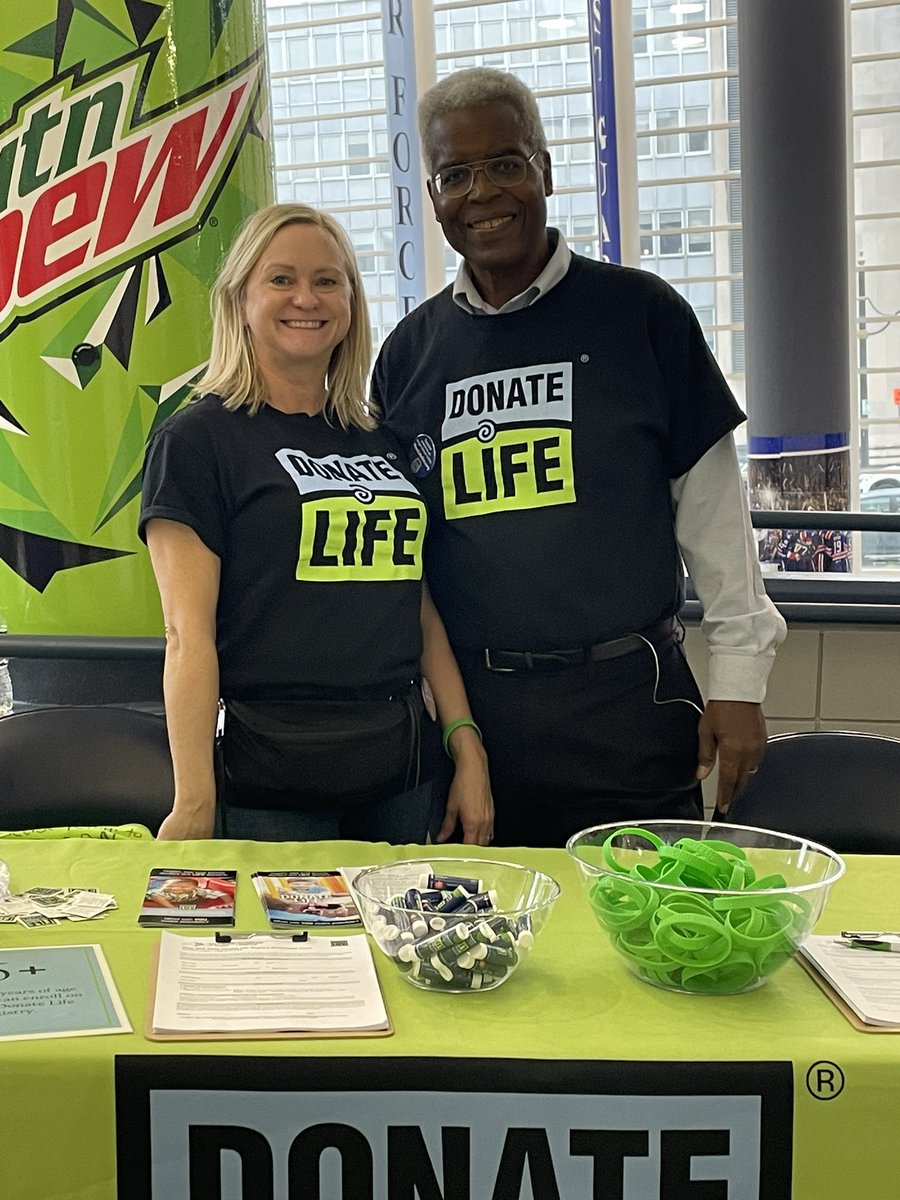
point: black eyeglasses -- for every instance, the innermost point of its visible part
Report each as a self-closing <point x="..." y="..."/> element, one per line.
<point x="505" y="171"/>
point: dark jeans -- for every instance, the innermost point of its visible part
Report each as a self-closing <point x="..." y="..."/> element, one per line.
<point x="587" y="744"/>
<point x="398" y="820"/>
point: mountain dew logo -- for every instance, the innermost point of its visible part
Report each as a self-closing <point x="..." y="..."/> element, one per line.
<point x="90" y="184"/>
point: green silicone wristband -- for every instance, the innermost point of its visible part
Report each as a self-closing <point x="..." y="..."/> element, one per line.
<point x="450" y="729"/>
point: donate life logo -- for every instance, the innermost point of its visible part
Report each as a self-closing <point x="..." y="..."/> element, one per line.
<point x="507" y="441"/>
<point x="362" y="519"/>
<point x="90" y="184"/>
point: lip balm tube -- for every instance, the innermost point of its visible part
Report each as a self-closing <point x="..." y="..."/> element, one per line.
<point x="478" y="902"/>
<point x="450" y="901"/>
<point x="448" y="882"/>
<point x="503" y="956"/>
<point x="482" y="932"/>
<point x="456" y="935"/>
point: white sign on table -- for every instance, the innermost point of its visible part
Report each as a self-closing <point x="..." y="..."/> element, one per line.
<point x="58" y="991"/>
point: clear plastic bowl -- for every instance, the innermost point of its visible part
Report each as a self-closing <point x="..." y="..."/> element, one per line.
<point x="690" y="917"/>
<point x="441" y="941"/>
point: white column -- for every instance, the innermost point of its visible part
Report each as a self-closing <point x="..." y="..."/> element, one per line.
<point x="626" y="130"/>
<point x="426" y="75"/>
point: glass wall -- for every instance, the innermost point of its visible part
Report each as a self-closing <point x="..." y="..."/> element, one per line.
<point x="688" y="149"/>
<point x="330" y="128"/>
<point x="875" y="41"/>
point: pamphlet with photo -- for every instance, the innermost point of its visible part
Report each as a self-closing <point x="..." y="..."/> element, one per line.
<point x="188" y="898"/>
<point x="293" y="898"/>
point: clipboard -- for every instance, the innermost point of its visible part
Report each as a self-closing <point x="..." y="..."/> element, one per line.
<point x="244" y="1035"/>
<point x="838" y="1000"/>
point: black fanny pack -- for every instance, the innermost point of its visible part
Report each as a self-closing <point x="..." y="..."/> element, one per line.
<point x="313" y="752"/>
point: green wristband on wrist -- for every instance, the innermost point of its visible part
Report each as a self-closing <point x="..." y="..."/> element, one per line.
<point x="450" y="729"/>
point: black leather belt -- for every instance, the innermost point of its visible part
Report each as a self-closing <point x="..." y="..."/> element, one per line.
<point x="517" y="661"/>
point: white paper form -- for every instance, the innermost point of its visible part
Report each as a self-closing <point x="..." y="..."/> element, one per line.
<point x="869" y="981"/>
<point x="266" y="983"/>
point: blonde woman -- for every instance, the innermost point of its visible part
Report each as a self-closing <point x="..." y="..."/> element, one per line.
<point x="286" y="541"/>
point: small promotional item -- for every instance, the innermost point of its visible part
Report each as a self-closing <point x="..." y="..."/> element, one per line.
<point x="192" y="898"/>
<point x="306" y="898"/>
<point x="50" y="905"/>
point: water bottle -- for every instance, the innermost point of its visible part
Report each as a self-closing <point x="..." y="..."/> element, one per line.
<point x="6" y="692"/>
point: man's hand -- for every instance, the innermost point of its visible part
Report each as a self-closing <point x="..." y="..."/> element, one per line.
<point x="735" y="732"/>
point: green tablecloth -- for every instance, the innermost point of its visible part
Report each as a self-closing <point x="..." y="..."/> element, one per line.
<point x="572" y="1000"/>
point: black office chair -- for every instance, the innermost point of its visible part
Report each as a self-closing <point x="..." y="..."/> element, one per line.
<point x="84" y="765"/>
<point x="838" y="787"/>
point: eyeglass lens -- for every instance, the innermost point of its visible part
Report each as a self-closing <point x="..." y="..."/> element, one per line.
<point x="507" y="171"/>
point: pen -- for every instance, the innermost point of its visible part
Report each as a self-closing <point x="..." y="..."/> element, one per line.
<point x="884" y="941"/>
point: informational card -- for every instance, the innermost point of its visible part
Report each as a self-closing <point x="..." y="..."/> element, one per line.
<point x="58" y="991"/>
<point x="293" y="898"/>
<point x="176" y="896"/>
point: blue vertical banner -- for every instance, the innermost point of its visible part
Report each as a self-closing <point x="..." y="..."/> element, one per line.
<point x="603" y="95"/>
<point x="406" y="171"/>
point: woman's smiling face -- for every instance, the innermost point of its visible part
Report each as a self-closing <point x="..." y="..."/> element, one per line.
<point x="297" y="299"/>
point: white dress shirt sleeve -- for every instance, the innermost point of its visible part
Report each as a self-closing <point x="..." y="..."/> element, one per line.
<point x="741" y="625"/>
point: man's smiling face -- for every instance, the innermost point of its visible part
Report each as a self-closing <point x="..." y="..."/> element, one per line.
<point x="500" y="232"/>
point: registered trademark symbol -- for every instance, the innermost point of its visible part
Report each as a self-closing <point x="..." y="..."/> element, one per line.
<point x="585" y="358"/>
<point x="824" y="1080"/>
<point x="213" y="221"/>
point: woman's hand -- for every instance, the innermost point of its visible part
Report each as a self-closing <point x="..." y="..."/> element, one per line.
<point x="185" y="824"/>
<point x="469" y="802"/>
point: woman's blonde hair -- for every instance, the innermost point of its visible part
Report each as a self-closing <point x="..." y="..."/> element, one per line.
<point x="232" y="371"/>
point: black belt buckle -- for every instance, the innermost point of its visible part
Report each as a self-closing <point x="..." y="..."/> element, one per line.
<point x="535" y="661"/>
<point x="491" y="667"/>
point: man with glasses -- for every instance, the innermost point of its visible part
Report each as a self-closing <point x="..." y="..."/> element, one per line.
<point x="572" y="435"/>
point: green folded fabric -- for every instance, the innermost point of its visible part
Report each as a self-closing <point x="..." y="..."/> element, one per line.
<point x="105" y="832"/>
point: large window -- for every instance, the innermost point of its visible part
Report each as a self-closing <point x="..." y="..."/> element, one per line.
<point x="689" y="176"/>
<point x="330" y="128"/>
<point x="875" y="41"/>
<point x="330" y="123"/>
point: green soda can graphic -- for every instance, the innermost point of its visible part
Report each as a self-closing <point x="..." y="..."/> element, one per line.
<point x="132" y="144"/>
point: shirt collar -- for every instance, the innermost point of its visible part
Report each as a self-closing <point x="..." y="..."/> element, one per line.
<point x="466" y="295"/>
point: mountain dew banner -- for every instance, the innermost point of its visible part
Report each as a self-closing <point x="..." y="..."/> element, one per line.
<point x="131" y="146"/>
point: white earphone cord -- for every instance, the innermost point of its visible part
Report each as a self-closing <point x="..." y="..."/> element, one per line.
<point x="676" y="699"/>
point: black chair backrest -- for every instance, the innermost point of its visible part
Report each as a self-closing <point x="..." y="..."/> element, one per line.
<point x="840" y="788"/>
<point x="84" y="765"/>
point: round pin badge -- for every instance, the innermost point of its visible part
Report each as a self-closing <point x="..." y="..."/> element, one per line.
<point x="422" y="456"/>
